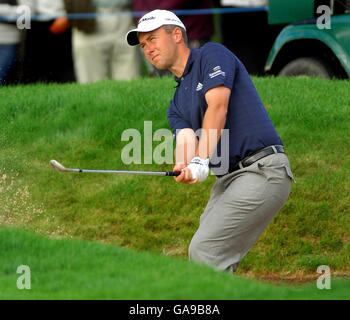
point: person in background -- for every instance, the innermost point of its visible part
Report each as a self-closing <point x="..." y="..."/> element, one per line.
<point x="99" y="49"/>
<point x="248" y="34"/>
<point x="10" y="35"/>
<point x="17" y="45"/>
<point x="200" y="28"/>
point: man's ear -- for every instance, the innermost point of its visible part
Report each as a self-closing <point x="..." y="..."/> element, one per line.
<point x="177" y="35"/>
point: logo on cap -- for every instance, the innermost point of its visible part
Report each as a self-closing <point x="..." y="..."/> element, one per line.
<point x="146" y="19"/>
<point x="174" y="20"/>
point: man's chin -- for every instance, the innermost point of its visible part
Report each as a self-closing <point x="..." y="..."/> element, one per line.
<point x="160" y="67"/>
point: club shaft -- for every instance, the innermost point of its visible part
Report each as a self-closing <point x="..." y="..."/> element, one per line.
<point x="148" y="173"/>
<point x="60" y="168"/>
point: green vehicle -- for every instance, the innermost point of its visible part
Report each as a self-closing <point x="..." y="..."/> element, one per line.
<point x="313" y="45"/>
<point x="300" y="37"/>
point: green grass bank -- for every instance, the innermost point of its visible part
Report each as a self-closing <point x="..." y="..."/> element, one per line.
<point x="72" y="269"/>
<point x="82" y="126"/>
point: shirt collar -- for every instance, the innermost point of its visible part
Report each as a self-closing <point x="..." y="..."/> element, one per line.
<point x="189" y="64"/>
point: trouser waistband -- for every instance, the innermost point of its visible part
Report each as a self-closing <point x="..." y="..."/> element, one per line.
<point x="248" y="161"/>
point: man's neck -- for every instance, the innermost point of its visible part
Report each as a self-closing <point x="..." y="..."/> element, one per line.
<point x="179" y="66"/>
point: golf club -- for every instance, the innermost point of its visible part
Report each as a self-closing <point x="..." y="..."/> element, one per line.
<point x="60" y="168"/>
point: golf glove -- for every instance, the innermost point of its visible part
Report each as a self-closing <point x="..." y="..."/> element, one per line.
<point x="199" y="168"/>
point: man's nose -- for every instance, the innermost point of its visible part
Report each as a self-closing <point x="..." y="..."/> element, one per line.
<point x="149" y="49"/>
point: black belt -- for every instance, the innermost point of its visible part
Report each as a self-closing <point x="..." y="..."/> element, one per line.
<point x="262" y="153"/>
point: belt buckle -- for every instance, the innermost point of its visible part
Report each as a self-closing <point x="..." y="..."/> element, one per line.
<point x="256" y="154"/>
<point x="242" y="163"/>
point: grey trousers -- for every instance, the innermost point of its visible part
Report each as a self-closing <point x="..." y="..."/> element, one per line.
<point x="240" y="207"/>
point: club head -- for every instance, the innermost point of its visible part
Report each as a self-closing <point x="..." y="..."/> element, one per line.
<point x="57" y="166"/>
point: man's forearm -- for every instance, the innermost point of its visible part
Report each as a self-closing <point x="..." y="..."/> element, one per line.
<point x="214" y="121"/>
<point x="186" y="146"/>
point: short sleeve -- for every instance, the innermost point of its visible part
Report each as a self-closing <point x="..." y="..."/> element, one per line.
<point x="218" y="67"/>
<point x="175" y="120"/>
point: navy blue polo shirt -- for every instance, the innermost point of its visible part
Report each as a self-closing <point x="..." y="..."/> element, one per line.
<point x="213" y="65"/>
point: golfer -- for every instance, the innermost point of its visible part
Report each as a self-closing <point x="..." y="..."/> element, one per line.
<point x="214" y="93"/>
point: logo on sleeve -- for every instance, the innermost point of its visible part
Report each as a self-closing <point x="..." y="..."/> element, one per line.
<point x="217" y="72"/>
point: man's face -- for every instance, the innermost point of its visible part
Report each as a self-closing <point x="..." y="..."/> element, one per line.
<point x="159" y="48"/>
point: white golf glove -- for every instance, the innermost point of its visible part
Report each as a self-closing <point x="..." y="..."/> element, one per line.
<point x="199" y="168"/>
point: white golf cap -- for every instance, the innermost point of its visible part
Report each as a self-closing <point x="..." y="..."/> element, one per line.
<point x="152" y="21"/>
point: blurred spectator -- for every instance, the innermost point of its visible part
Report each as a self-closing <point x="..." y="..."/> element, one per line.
<point x="200" y="28"/>
<point x="29" y="51"/>
<point x="99" y="48"/>
<point x="248" y="34"/>
<point x="10" y="35"/>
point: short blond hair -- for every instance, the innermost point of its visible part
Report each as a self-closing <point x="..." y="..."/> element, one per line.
<point x="169" y="28"/>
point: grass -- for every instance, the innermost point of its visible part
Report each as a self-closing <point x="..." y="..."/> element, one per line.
<point x="81" y="126"/>
<point x="72" y="269"/>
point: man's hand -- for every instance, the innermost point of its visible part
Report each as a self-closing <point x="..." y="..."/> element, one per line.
<point x="197" y="170"/>
<point x="186" y="175"/>
<point x="60" y="25"/>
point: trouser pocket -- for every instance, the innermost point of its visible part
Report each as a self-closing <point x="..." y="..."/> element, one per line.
<point x="289" y="173"/>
